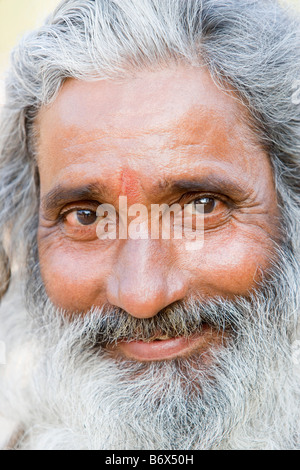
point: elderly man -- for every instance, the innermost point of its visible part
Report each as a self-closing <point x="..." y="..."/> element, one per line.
<point x="150" y="342"/>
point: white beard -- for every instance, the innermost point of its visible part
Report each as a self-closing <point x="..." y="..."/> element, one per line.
<point x="64" y="395"/>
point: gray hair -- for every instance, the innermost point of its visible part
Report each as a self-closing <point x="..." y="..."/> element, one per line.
<point x="250" y="45"/>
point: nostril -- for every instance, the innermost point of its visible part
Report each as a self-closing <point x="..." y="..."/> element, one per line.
<point x="144" y="280"/>
<point x="143" y="302"/>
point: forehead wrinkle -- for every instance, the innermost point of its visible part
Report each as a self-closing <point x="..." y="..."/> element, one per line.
<point x="94" y="131"/>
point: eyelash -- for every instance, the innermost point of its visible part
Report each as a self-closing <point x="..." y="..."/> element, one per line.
<point x="77" y="207"/>
<point x="192" y="196"/>
<point x="186" y="198"/>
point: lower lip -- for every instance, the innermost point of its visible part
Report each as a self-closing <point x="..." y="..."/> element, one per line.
<point x="161" y="350"/>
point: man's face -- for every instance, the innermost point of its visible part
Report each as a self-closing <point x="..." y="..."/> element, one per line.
<point x="162" y="138"/>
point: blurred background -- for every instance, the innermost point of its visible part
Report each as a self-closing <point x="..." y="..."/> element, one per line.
<point x="19" y="16"/>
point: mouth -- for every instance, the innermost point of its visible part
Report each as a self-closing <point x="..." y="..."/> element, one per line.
<point x="162" y="348"/>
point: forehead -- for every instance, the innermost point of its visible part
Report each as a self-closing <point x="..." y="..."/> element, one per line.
<point x="138" y="96"/>
<point x="176" y="117"/>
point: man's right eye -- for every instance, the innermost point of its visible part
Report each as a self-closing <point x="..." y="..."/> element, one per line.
<point x="80" y="223"/>
<point x="81" y="217"/>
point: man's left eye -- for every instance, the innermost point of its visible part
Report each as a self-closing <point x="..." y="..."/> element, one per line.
<point x="207" y="204"/>
<point x="214" y="209"/>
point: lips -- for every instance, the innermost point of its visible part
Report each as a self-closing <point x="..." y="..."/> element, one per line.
<point x="162" y="348"/>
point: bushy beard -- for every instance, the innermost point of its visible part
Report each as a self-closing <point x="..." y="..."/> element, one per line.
<point x="80" y="396"/>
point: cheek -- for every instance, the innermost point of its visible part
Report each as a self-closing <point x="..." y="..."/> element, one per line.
<point x="73" y="278"/>
<point x="230" y="263"/>
<point x="230" y="266"/>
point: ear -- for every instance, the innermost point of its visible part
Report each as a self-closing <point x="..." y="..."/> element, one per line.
<point x="5" y="272"/>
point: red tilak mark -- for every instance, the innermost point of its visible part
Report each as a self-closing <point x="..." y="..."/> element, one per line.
<point x="130" y="185"/>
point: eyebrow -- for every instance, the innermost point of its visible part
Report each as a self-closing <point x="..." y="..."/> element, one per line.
<point x="61" y="195"/>
<point x="214" y="184"/>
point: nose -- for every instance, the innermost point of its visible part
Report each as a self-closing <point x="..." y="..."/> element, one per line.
<point x="145" y="279"/>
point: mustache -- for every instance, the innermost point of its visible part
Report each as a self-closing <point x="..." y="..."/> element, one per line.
<point x="108" y="325"/>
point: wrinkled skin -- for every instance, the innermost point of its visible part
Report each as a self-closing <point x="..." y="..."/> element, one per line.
<point x="164" y="137"/>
